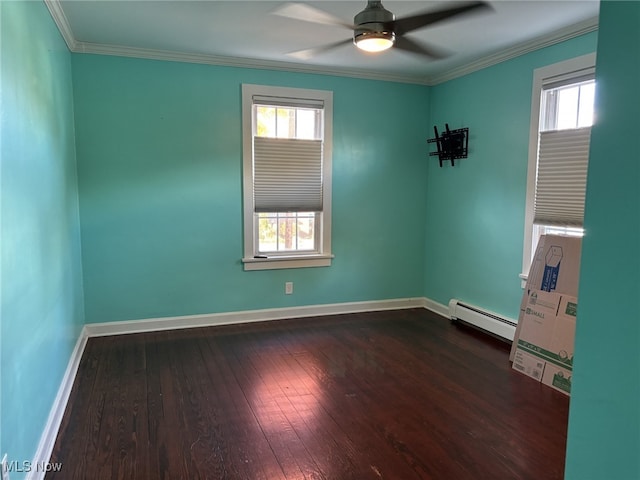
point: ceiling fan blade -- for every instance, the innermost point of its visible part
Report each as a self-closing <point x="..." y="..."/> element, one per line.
<point x="420" y="20"/>
<point x="409" y="45"/>
<point x="307" y="13"/>
<point x="312" y="52"/>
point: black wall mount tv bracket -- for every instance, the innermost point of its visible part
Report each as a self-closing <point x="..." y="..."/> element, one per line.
<point x="452" y="144"/>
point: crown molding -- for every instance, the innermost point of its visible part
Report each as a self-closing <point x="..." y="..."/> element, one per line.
<point x="553" y="38"/>
<point x="558" y="36"/>
<point x="60" y="19"/>
<point x="171" y="56"/>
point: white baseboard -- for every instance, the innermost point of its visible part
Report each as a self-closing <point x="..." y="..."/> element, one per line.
<point x="248" y="316"/>
<point x="48" y="438"/>
<point x="435" y="307"/>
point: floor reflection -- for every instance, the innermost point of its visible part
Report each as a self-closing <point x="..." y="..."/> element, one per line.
<point x="286" y="399"/>
<point x="284" y="396"/>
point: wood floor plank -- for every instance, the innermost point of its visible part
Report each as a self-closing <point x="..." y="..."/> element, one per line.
<point x="392" y="425"/>
<point x="270" y="411"/>
<point x="380" y="395"/>
<point x="241" y="428"/>
<point x="297" y="397"/>
<point x="81" y="421"/>
<point x="338" y="455"/>
<point x="342" y="401"/>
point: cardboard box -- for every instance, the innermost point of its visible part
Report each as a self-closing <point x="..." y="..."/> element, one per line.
<point x="528" y="364"/>
<point x="544" y="349"/>
<point x="559" y="368"/>
<point x="558" y="378"/>
<point x="556" y="265"/>
<point x="555" y="268"/>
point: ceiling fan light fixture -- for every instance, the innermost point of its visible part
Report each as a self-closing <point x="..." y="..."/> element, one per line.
<point x="375" y="41"/>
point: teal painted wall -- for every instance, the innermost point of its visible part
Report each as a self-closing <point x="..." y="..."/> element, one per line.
<point x="159" y="165"/>
<point x="159" y="174"/>
<point x="475" y="210"/>
<point x="604" y="419"/>
<point x="41" y="305"/>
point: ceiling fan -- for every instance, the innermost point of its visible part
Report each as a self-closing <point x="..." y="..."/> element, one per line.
<point x="375" y="28"/>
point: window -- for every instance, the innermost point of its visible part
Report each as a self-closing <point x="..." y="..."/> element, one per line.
<point x="286" y="177"/>
<point x="562" y="113"/>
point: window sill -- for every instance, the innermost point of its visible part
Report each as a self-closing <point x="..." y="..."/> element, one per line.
<point x="293" y="261"/>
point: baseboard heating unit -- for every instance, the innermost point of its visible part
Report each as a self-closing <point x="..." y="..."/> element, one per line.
<point x="484" y="319"/>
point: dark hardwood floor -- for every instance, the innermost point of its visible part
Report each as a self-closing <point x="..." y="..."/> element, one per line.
<point x="386" y="395"/>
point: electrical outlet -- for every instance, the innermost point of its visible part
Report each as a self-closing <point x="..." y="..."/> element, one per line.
<point x="4" y="468"/>
<point x="288" y="290"/>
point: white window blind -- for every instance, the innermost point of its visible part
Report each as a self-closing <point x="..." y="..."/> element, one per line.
<point x="287" y="175"/>
<point x="563" y="158"/>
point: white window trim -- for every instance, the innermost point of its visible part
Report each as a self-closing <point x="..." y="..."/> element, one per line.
<point x="574" y="67"/>
<point x="296" y="259"/>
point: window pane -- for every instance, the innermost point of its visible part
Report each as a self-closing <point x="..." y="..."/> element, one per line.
<point x="567" y="107"/>
<point x="306" y="124"/>
<point x="265" y="121"/>
<point x="283" y="122"/>
<point x="267" y="233"/>
<point x="286" y="232"/>
<point x="286" y="123"/>
<point x="306" y="232"/>
<point x="585" y="108"/>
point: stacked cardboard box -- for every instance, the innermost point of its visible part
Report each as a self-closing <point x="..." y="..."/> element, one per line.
<point x="543" y="343"/>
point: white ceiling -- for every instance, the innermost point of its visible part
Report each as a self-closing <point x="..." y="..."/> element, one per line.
<point x="246" y="33"/>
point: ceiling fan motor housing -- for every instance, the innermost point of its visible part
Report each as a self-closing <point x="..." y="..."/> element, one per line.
<point x="374" y="21"/>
